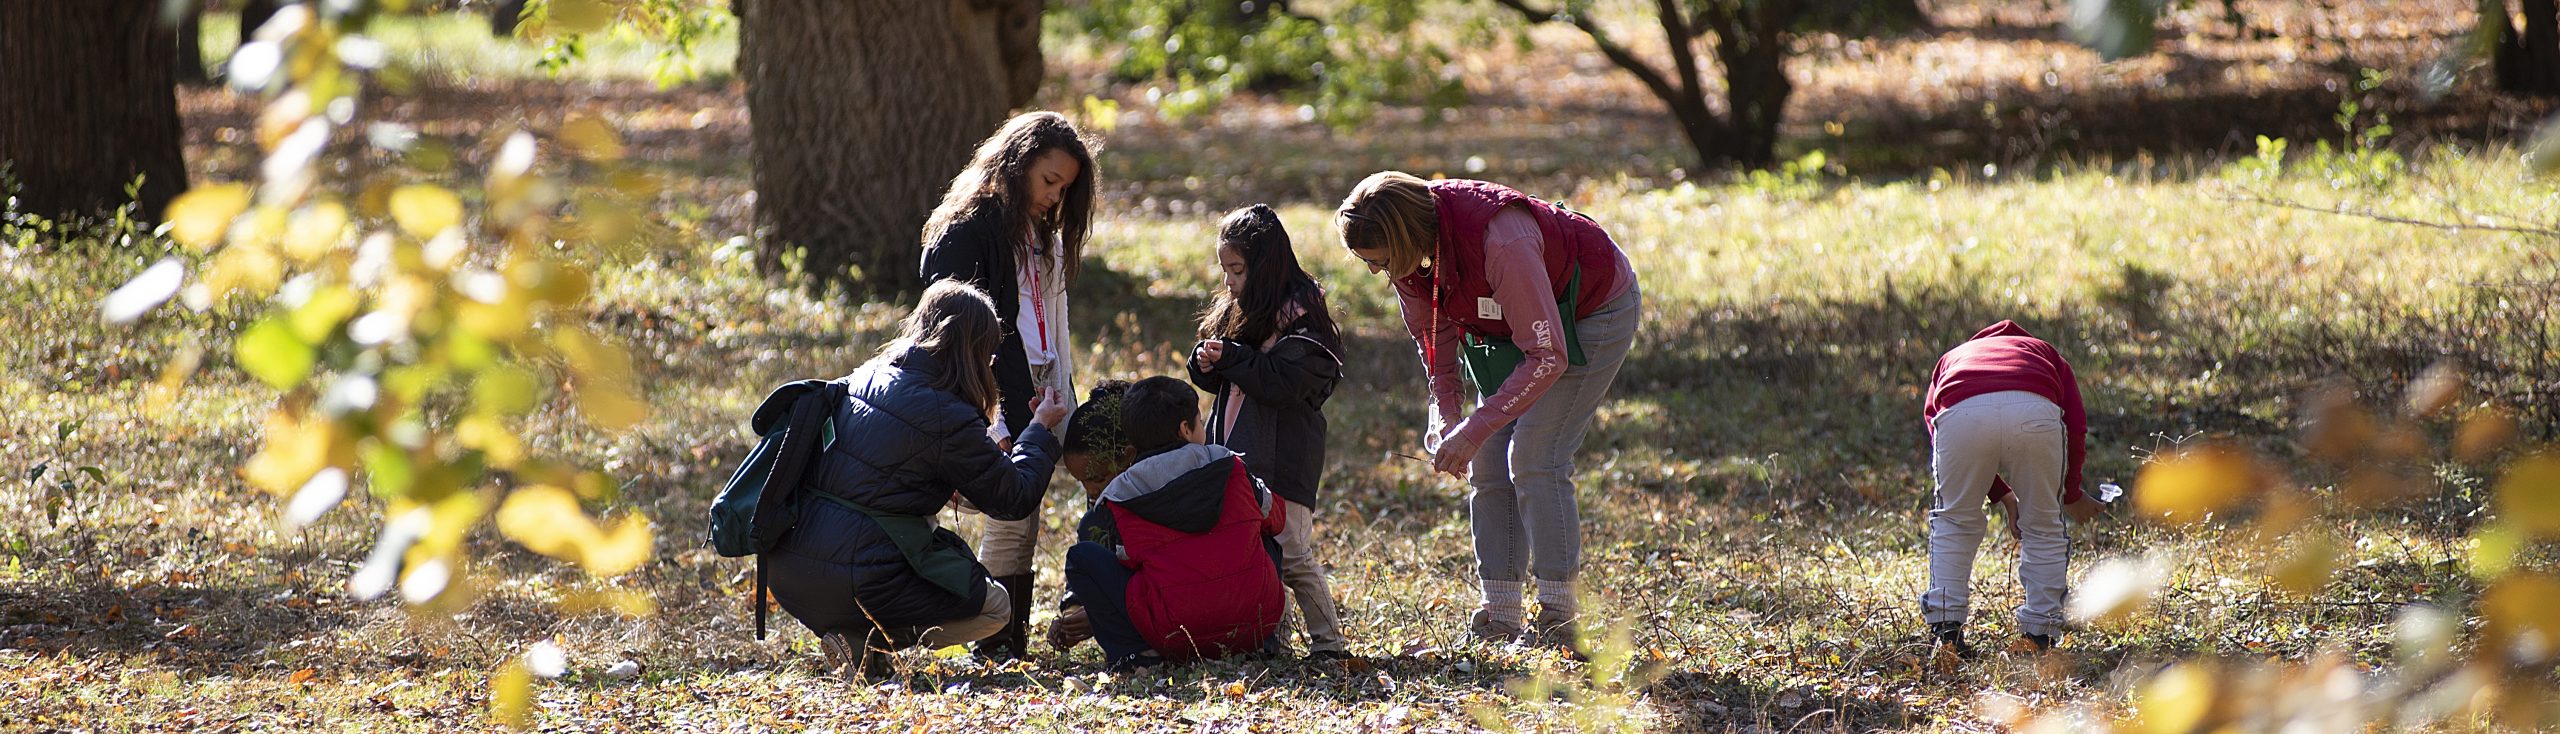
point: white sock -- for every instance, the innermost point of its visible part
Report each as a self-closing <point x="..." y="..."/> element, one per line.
<point x="1502" y="601"/>
<point x="1556" y="599"/>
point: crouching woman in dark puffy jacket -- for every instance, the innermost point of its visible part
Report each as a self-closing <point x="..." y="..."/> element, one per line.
<point x="866" y="568"/>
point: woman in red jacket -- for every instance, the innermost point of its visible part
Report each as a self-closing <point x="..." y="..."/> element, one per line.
<point x="2004" y="414"/>
<point x="1557" y="303"/>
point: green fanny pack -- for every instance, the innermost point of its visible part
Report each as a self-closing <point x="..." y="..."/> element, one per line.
<point x="945" y="562"/>
<point x="1491" y="359"/>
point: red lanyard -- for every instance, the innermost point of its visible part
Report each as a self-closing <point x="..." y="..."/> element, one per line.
<point x="1039" y="303"/>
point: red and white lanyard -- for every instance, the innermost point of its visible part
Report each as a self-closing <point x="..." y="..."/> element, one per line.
<point x="1040" y="301"/>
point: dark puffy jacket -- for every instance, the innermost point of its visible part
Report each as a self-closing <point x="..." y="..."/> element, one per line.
<point x="1280" y="427"/>
<point x="974" y="251"/>
<point x="901" y="446"/>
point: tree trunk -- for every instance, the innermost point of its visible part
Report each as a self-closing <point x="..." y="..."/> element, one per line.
<point x="2527" y="63"/>
<point x="255" y="13"/>
<point x="863" y="110"/>
<point x="88" y="102"/>
<point x="190" y="54"/>
<point x="1756" y="91"/>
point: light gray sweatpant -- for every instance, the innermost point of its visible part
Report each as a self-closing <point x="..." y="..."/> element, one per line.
<point x="2016" y="436"/>
<point x="1522" y="504"/>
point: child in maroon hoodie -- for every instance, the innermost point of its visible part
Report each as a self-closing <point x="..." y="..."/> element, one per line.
<point x="2003" y="412"/>
<point x="1176" y="560"/>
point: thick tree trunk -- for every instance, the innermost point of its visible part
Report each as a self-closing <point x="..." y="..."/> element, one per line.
<point x="1756" y="91"/>
<point x="863" y="110"/>
<point x="2528" y="62"/>
<point x="88" y="102"/>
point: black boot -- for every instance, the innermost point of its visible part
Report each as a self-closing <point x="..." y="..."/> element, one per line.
<point x="1012" y="642"/>
<point x="1950" y="635"/>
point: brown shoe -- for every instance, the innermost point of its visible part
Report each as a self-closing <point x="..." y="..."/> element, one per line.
<point x="1483" y="629"/>
<point x="1559" y="631"/>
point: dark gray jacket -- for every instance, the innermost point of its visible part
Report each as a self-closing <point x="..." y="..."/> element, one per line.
<point x="1280" y="429"/>
<point x="901" y="447"/>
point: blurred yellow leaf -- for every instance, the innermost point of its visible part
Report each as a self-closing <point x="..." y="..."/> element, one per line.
<point x="634" y="183"/>
<point x="546" y="520"/>
<point x="271" y="352"/>
<point x="2520" y="618"/>
<point x="591" y="358"/>
<point x="620" y="551"/>
<point x="580" y="16"/>
<point x="317" y="230"/>
<point x="197" y="218"/>
<point x="487" y="433"/>
<point x="164" y="391"/>
<point x="2482" y="434"/>
<point x="505" y="390"/>
<point x="2310" y="566"/>
<point x="296" y="447"/>
<point x="251" y="268"/>
<point x="2178" y="700"/>
<point x="2188" y="486"/>
<point x="2493" y="549"/>
<point x="2529" y="494"/>
<point x="609" y="407"/>
<point x="591" y="137"/>
<point x="953" y="652"/>
<point x="425" y="209"/>
<point x="511" y="694"/>
<point x="607" y="221"/>
<point x="320" y="315"/>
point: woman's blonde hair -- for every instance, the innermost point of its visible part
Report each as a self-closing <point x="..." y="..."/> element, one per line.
<point x="957" y="323"/>
<point x="1391" y="211"/>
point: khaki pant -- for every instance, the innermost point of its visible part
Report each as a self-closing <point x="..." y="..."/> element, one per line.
<point x="991" y="616"/>
<point x="1306" y="580"/>
<point x="1005" y="547"/>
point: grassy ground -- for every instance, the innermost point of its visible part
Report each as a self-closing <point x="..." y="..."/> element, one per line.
<point x="1751" y="500"/>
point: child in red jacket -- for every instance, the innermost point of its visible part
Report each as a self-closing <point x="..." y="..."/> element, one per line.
<point x="2003" y="413"/>
<point x="1177" y="559"/>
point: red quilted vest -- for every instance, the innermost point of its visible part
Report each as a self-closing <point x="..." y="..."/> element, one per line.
<point x="1466" y="208"/>
<point x="1208" y="594"/>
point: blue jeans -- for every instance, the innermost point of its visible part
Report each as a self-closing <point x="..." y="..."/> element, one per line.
<point x="1522" y="503"/>
<point x="1096" y="580"/>
<point x="1101" y="584"/>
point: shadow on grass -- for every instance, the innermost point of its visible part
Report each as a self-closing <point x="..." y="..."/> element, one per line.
<point x="208" y="629"/>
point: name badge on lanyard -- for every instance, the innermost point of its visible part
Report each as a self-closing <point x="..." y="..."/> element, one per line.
<point x="1487" y="308"/>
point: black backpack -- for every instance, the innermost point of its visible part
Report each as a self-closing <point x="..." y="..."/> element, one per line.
<point x="761" y="502"/>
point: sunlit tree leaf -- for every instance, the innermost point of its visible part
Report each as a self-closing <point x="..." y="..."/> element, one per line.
<point x="269" y="351"/>
<point x="199" y="217"/>
<point x="423" y="210"/>
<point x="2529" y="494"/>
<point x="2190" y="485"/>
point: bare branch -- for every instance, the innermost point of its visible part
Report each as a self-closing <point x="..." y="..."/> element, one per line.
<point x="2263" y="200"/>
<point x="1617" y="54"/>
<point x="1676" y="35"/>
